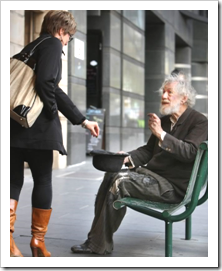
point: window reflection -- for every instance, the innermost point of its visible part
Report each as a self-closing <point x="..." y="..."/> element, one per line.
<point x="133" y="43"/>
<point x="133" y="113"/>
<point x="79" y="57"/>
<point x="114" y="109"/>
<point x="115" y="71"/>
<point x="137" y="17"/>
<point x="115" y="32"/>
<point x="133" y="78"/>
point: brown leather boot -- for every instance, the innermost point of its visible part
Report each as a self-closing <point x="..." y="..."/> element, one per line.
<point x="14" y="251"/>
<point x="40" y="221"/>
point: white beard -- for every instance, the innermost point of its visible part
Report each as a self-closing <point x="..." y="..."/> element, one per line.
<point x="169" y="110"/>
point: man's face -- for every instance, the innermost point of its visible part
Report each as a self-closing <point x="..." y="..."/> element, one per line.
<point x="171" y="100"/>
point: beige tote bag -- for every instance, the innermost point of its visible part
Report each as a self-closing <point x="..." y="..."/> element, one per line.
<point x="25" y="104"/>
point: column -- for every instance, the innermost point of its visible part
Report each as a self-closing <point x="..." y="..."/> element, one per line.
<point x="200" y="65"/>
<point x="160" y="47"/>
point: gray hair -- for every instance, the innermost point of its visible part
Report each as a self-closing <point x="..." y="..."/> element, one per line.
<point x="183" y="87"/>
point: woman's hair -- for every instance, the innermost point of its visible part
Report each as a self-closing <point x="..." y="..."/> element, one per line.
<point x="54" y="20"/>
<point x="183" y="86"/>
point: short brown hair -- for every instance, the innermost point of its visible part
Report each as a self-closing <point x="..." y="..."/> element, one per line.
<point x="54" y="20"/>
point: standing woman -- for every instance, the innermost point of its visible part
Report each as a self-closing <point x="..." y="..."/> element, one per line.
<point x="35" y="145"/>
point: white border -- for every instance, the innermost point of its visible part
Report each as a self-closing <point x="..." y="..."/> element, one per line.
<point x="211" y="260"/>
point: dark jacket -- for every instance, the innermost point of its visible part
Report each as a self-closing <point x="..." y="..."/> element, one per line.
<point x="46" y="131"/>
<point x="175" y="158"/>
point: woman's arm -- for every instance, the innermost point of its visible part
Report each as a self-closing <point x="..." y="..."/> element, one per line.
<point x="72" y="113"/>
<point x="68" y="108"/>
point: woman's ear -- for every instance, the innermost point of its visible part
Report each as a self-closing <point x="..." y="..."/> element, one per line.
<point x="61" y="32"/>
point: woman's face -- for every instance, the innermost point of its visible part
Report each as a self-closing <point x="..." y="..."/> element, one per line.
<point x="64" y="38"/>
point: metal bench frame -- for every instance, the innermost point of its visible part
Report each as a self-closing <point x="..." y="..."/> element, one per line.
<point x="163" y="211"/>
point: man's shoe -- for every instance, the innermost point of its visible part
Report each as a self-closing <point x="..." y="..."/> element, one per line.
<point x="83" y="248"/>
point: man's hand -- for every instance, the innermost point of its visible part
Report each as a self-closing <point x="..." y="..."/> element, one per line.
<point x="155" y="125"/>
<point x="93" y="127"/>
<point x="126" y="159"/>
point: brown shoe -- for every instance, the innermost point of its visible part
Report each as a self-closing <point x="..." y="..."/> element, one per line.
<point x="40" y="221"/>
<point x="14" y="251"/>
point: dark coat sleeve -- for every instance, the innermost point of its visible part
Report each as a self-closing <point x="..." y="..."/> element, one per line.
<point x="142" y="155"/>
<point x="67" y="107"/>
<point x="47" y="71"/>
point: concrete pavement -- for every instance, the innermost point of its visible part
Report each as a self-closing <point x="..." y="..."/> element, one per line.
<point x="74" y="190"/>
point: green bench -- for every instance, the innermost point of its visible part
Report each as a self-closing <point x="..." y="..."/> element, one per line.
<point x="198" y="182"/>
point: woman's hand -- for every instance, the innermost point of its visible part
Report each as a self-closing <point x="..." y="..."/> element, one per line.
<point x="93" y="127"/>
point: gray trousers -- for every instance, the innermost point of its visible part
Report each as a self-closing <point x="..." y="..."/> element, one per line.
<point x="142" y="184"/>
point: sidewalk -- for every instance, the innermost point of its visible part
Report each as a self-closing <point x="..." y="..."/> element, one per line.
<point x="74" y="190"/>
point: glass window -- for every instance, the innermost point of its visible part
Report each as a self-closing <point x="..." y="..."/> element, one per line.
<point x="80" y="18"/>
<point x="113" y="139"/>
<point x="133" y="113"/>
<point x="133" y="43"/>
<point x="136" y="17"/>
<point x="114" y="71"/>
<point x="133" y="78"/>
<point x="114" y="113"/>
<point x="115" y="33"/>
<point x="77" y="94"/>
<point x="132" y="138"/>
<point x="79" y="53"/>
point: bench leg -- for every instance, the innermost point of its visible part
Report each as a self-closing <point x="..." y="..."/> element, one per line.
<point x="188" y="228"/>
<point x="168" y="239"/>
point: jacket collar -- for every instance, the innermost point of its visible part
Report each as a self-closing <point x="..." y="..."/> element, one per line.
<point x="184" y="116"/>
<point x="181" y="119"/>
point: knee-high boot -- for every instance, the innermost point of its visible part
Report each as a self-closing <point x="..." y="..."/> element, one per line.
<point x="14" y="251"/>
<point x="40" y="221"/>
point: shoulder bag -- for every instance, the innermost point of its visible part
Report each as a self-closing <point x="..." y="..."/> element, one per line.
<point x="25" y="104"/>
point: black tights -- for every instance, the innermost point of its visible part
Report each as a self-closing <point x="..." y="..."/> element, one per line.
<point x="40" y="163"/>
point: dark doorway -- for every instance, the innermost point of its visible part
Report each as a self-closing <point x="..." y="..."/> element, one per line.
<point x="94" y="68"/>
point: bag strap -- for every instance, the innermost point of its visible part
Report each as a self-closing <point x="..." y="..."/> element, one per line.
<point x="26" y="56"/>
<point x="33" y="49"/>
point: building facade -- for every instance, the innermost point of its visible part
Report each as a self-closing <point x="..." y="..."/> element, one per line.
<point x="118" y="61"/>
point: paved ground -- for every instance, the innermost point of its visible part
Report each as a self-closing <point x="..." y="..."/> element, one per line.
<point x="74" y="191"/>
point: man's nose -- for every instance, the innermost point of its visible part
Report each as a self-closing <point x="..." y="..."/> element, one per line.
<point x="165" y="95"/>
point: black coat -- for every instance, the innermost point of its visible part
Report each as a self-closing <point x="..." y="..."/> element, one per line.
<point x="175" y="158"/>
<point x="46" y="132"/>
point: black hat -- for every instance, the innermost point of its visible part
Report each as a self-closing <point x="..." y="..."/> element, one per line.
<point x="108" y="161"/>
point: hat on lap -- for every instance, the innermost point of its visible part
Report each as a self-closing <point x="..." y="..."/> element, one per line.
<point x="108" y="161"/>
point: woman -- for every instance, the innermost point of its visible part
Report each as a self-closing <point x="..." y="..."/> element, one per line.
<point x="35" y="145"/>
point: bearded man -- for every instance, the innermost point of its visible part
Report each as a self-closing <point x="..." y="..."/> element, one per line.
<point x="158" y="171"/>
